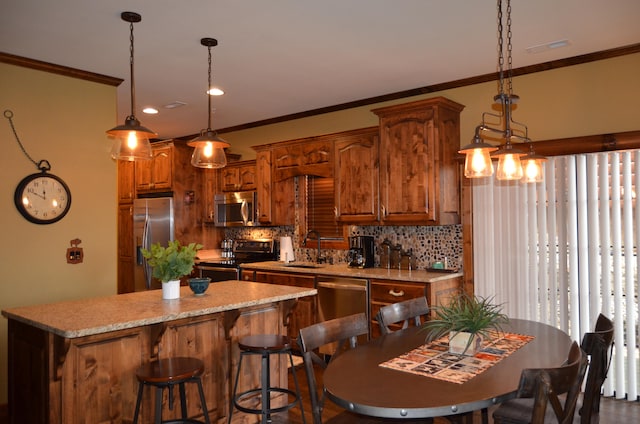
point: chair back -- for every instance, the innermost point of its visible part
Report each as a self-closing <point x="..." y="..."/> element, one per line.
<point x="565" y="379"/>
<point x="405" y="312"/>
<point x="342" y="331"/>
<point x="597" y="345"/>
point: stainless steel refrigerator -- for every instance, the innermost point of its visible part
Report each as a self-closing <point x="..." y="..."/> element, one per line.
<point x="153" y="222"/>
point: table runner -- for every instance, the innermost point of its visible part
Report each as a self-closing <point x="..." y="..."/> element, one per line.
<point x="434" y="359"/>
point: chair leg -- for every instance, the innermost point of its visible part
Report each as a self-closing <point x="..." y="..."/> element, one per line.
<point x="183" y="400"/>
<point x="266" y="384"/>
<point x="158" y="406"/>
<point x="205" y="410"/>
<point x="232" y="402"/>
<point x="138" y="401"/>
<point x="295" y="381"/>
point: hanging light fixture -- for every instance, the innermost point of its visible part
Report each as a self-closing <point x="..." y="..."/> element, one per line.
<point x="209" y="148"/>
<point x="478" y="153"/>
<point x="131" y="139"/>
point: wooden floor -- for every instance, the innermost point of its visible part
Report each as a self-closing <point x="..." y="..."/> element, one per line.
<point x="611" y="411"/>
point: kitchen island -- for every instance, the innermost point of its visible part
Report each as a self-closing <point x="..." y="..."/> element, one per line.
<point x="75" y="361"/>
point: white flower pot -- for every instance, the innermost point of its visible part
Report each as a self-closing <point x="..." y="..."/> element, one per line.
<point x="171" y="289"/>
<point x="459" y="343"/>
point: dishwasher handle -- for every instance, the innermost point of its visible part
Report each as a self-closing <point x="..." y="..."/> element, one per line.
<point x="343" y="285"/>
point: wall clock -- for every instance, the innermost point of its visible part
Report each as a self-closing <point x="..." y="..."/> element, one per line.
<point x="42" y="198"/>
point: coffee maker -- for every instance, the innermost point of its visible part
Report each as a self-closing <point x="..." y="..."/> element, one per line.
<point x="361" y="252"/>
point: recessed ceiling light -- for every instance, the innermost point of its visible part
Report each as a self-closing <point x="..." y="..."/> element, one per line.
<point x="548" y="46"/>
<point x="150" y="110"/>
<point x="174" y="105"/>
<point x="215" y="91"/>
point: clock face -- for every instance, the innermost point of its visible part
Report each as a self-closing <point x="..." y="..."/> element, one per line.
<point x="42" y="198"/>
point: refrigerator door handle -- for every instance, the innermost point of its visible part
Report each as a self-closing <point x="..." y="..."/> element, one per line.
<point x="145" y="245"/>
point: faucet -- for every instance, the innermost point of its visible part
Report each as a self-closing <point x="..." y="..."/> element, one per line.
<point x="319" y="258"/>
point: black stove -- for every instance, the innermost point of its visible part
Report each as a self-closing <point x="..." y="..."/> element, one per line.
<point x="244" y="251"/>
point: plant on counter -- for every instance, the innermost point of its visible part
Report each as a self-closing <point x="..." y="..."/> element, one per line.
<point x="470" y="317"/>
<point x="171" y="262"/>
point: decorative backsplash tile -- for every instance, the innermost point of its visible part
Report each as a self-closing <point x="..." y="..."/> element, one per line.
<point x="427" y="243"/>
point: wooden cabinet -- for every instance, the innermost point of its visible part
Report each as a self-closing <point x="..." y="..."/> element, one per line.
<point x="156" y="174"/>
<point x="419" y="174"/>
<point x="386" y="292"/>
<point x="210" y="188"/>
<point x="276" y="199"/>
<point x="304" y="313"/>
<point x="126" y="181"/>
<point x="126" y="194"/>
<point x="307" y="156"/>
<point x="356" y="176"/>
<point x="239" y="176"/>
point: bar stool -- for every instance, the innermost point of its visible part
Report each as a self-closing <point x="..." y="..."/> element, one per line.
<point x="167" y="373"/>
<point x="265" y="345"/>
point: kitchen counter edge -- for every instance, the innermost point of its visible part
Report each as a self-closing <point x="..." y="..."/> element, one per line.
<point x="85" y="317"/>
<point x="342" y="270"/>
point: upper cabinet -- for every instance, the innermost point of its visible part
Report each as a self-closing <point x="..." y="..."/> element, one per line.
<point x="308" y="156"/>
<point x="419" y="173"/>
<point x="238" y="176"/>
<point x="155" y="174"/>
<point x="276" y="199"/>
<point x="356" y="176"/>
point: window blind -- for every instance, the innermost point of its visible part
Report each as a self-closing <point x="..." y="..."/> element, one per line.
<point x="565" y="250"/>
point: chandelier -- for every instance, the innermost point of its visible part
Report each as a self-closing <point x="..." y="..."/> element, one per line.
<point x="513" y="163"/>
<point x="209" y="148"/>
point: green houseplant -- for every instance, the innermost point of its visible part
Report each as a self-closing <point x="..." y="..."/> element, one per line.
<point x="467" y="319"/>
<point x="172" y="262"/>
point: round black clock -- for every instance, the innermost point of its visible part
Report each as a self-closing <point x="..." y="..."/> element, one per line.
<point x="42" y="198"/>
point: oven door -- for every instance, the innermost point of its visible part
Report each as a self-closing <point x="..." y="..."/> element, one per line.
<point x="218" y="273"/>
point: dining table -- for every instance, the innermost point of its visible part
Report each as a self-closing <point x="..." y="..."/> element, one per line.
<point x="354" y="380"/>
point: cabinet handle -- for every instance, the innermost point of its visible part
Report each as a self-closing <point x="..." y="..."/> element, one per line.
<point x="394" y="293"/>
<point x="384" y="211"/>
<point x="335" y="211"/>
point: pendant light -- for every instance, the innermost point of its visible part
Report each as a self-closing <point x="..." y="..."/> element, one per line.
<point x="131" y="139"/>
<point x="510" y="158"/>
<point x="209" y="148"/>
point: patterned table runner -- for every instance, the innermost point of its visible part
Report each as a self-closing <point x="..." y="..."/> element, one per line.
<point x="434" y="360"/>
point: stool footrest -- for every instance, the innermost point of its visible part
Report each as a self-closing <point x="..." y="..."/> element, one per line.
<point x="248" y="410"/>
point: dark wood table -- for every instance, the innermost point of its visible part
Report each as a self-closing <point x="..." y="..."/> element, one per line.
<point x="356" y="382"/>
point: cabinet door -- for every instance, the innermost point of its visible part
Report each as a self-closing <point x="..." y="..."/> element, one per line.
<point x="356" y="177"/>
<point x="162" y="166"/>
<point x="126" y="183"/>
<point x="388" y="292"/>
<point x="247" y="177"/>
<point x="263" y="187"/>
<point x="407" y="175"/>
<point x="229" y="179"/>
<point x="125" y="249"/>
<point x="209" y="185"/>
<point x="304" y="314"/>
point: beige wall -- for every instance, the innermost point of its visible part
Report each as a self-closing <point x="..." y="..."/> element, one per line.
<point x="592" y="98"/>
<point x="62" y="120"/>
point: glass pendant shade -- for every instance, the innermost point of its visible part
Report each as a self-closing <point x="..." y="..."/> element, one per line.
<point x="131" y="141"/>
<point x="509" y="164"/>
<point x="208" y="151"/>
<point x="533" y="168"/>
<point x="477" y="163"/>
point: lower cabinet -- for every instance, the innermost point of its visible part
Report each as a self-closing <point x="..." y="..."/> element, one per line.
<point x="304" y="313"/>
<point x="387" y="292"/>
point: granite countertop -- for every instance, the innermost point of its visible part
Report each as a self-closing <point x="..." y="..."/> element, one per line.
<point x="342" y="270"/>
<point x="79" y="318"/>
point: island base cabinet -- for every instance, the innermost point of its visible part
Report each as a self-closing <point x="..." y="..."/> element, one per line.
<point x="91" y="379"/>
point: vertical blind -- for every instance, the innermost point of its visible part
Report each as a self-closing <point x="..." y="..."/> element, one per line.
<point x="565" y="250"/>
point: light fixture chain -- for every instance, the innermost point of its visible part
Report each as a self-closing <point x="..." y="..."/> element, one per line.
<point x="9" y="115"/>
<point x="509" y="48"/>
<point x="133" y="84"/>
<point x="500" y="51"/>
<point x="209" y="92"/>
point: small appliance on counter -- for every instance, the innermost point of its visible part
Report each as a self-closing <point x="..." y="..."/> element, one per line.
<point x="286" y="250"/>
<point x="361" y="252"/>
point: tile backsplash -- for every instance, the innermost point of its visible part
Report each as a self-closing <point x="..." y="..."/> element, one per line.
<point x="427" y="243"/>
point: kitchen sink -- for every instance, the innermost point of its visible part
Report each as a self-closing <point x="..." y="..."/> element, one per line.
<point x="303" y="265"/>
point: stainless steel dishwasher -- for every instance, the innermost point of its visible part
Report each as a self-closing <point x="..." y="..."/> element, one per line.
<point x="342" y="296"/>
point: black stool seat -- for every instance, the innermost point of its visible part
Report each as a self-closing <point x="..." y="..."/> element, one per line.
<point x="166" y="373"/>
<point x="265" y="345"/>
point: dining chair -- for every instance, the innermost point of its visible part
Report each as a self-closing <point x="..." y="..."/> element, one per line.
<point x="406" y="312"/>
<point x="544" y="386"/>
<point x="343" y="334"/>
<point x="597" y="345"/>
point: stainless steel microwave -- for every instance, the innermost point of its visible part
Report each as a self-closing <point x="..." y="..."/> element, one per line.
<point x="235" y="209"/>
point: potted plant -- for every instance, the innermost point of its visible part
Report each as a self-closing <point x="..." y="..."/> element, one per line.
<point x="467" y="319"/>
<point x="171" y="263"/>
